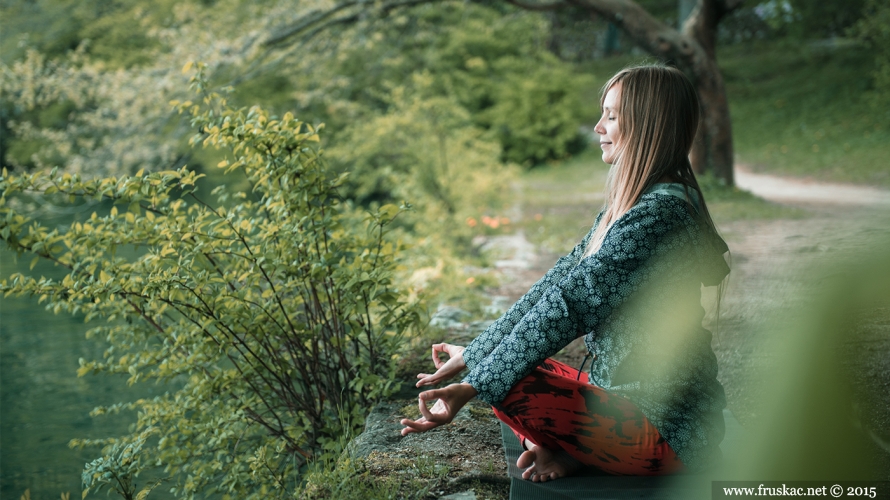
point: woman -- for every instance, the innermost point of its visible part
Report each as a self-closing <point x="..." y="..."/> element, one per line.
<point x="650" y="403"/>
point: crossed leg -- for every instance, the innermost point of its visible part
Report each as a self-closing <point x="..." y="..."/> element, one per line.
<point x="566" y="423"/>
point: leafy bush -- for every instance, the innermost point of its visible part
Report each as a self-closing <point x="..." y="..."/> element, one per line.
<point x="75" y="112"/>
<point x="499" y="69"/>
<point x="874" y="30"/>
<point x="491" y="61"/>
<point x="272" y="316"/>
<point x="426" y="149"/>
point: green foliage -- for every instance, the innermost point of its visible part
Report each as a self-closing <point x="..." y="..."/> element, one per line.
<point x="874" y="30"/>
<point x="498" y="68"/>
<point x="426" y="149"/>
<point x="346" y="478"/>
<point x="492" y="62"/>
<point x="97" y="105"/>
<point x="116" y="31"/>
<point x="799" y="20"/>
<point x="74" y="112"/>
<point x="824" y="18"/>
<point x="118" y="468"/>
<point x="269" y="315"/>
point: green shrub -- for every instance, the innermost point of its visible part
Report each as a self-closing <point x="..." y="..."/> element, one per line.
<point x="499" y="69"/>
<point x="271" y="316"/>
<point x="426" y="149"/>
<point x="492" y="61"/>
<point x="874" y="30"/>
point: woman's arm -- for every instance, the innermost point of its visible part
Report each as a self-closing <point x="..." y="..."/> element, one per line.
<point x="483" y="344"/>
<point x="584" y="299"/>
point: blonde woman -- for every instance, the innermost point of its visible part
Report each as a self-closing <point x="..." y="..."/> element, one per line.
<point x="650" y="402"/>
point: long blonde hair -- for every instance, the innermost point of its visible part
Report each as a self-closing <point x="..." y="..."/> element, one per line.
<point x="658" y="116"/>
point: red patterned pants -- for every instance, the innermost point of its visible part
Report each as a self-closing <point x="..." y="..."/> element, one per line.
<point x="551" y="408"/>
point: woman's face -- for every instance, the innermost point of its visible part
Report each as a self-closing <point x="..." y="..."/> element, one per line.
<point x="607" y="127"/>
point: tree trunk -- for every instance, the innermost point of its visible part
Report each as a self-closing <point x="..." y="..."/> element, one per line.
<point x="713" y="148"/>
<point x="694" y="52"/>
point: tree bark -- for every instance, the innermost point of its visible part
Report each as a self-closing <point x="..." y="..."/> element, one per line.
<point x="693" y="50"/>
<point x="713" y="149"/>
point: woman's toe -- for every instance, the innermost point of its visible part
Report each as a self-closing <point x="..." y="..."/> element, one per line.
<point x="526" y="460"/>
<point x="529" y="473"/>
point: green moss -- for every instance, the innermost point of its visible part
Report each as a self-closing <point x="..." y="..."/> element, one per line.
<point x="410" y="411"/>
<point x="480" y="411"/>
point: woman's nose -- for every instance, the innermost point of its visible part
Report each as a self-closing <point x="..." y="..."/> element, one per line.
<point x="598" y="128"/>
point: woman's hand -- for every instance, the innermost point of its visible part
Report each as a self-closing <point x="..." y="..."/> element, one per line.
<point x="445" y="370"/>
<point x="450" y="400"/>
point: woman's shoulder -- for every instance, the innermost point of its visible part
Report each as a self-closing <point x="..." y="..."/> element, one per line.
<point x="660" y="207"/>
<point x="673" y="214"/>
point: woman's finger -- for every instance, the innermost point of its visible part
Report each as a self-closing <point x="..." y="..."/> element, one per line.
<point x="426" y="380"/>
<point x="419" y="425"/>
<point x="427" y="414"/>
<point x="421" y="404"/>
<point x="437" y="348"/>
<point x="432" y="379"/>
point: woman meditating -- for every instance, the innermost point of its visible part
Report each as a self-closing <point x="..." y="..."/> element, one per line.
<point x="650" y="403"/>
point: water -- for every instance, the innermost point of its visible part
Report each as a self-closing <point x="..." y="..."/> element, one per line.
<point x="43" y="404"/>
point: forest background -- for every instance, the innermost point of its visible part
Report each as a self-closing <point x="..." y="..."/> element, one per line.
<point x="164" y="162"/>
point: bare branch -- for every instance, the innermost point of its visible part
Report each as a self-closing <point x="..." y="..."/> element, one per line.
<point x="314" y="16"/>
<point x="317" y="21"/>
<point x="648" y="32"/>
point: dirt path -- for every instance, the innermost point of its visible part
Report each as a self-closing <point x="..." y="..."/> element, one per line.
<point x="808" y="192"/>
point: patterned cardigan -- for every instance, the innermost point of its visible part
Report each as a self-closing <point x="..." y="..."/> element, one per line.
<point x="637" y="301"/>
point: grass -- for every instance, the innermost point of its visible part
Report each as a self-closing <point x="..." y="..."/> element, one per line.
<point x="805" y="111"/>
<point x="729" y="204"/>
<point x="560" y="201"/>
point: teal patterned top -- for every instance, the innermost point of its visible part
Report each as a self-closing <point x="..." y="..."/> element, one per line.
<point x="637" y="301"/>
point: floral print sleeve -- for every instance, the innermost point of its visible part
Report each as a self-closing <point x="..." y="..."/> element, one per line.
<point x="571" y="303"/>
<point x="482" y="345"/>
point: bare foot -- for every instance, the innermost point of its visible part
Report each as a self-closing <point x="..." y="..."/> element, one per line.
<point x="541" y="464"/>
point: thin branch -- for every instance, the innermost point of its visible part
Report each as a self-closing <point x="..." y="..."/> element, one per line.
<point x="303" y="23"/>
<point x="317" y="21"/>
<point x="538" y="7"/>
<point x="645" y="30"/>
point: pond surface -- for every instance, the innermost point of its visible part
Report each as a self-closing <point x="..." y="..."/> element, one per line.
<point x="43" y="404"/>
